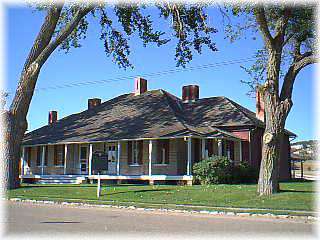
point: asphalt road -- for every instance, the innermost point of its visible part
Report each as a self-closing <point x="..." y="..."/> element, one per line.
<point x="26" y="218"/>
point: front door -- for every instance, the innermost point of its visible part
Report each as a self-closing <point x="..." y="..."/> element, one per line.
<point x="112" y="158"/>
<point x="83" y="159"/>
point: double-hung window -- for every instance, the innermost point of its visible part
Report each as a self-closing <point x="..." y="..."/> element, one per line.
<point x="58" y="155"/>
<point x="162" y="151"/>
<point x="135" y="150"/>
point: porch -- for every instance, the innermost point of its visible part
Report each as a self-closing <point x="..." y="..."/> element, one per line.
<point x="165" y="159"/>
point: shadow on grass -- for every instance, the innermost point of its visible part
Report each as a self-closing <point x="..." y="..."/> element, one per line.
<point x="79" y="185"/>
<point x="139" y="191"/>
<point x="297" y="191"/>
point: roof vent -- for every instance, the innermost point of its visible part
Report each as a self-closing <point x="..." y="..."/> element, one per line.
<point x="190" y="93"/>
<point x="140" y="86"/>
<point x="53" y="117"/>
<point x="93" y="102"/>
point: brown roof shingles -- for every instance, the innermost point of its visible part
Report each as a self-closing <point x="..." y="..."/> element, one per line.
<point x="152" y="114"/>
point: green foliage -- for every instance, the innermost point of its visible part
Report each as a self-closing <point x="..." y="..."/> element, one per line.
<point x="120" y="22"/>
<point x="243" y="173"/>
<point x="219" y="169"/>
<point x="213" y="170"/>
<point x="240" y="20"/>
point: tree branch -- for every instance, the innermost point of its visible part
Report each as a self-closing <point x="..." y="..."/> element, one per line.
<point x="306" y="59"/>
<point x="45" y="34"/>
<point x="281" y="26"/>
<point x="63" y="34"/>
<point x="263" y="26"/>
<point x="44" y="37"/>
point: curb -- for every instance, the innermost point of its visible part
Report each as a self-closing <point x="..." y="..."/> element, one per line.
<point x="217" y="213"/>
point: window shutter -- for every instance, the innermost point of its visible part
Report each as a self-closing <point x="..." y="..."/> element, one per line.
<point x="167" y="149"/>
<point x="231" y="148"/>
<point x="159" y="151"/>
<point x="129" y="152"/>
<point x="55" y="155"/>
<point x="28" y="155"/>
<point x="38" y="156"/>
<point x="223" y="143"/>
<point x="210" y="147"/>
<point x="63" y="154"/>
<point x="46" y="156"/>
<point x="140" y="152"/>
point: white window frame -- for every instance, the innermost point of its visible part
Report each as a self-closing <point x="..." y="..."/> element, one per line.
<point x="134" y="154"/>
<point x="163" y="156"/>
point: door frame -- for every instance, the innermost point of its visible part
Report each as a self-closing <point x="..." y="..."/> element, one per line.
<point x="84" y="160"/>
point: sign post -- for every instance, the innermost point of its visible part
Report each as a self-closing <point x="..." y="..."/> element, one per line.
<point x="98" y="186"/>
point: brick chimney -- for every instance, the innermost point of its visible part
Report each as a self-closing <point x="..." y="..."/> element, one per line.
<point x="190" y="93"/>
<point x="140" y="86"/>
<point x="53" y="117"/>
<point x="93" y="102"/>
<point x="259" y="106"/>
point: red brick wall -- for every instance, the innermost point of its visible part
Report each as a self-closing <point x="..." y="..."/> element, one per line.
<point x="252" y="149"/>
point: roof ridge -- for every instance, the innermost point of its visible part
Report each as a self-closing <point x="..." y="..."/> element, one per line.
<point x="182" y="121"/>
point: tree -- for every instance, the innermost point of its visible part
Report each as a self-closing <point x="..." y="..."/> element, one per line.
<point x="288" y="34"/>
<point x="66" y="25"/>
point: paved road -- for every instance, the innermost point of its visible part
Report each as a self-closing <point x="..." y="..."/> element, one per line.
<point x="26" y="218"/>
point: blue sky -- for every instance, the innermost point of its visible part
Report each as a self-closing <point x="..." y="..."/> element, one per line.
<point x="89" y="63"/>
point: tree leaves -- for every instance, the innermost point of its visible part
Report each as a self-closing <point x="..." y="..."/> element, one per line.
<point x="120" y="23"/>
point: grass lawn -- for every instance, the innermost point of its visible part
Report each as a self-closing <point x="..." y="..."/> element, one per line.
<point x="293" y="195"/>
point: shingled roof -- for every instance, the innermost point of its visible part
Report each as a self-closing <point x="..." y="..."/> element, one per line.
<point x="153" y="114"/>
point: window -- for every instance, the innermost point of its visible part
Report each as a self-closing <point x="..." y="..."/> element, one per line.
<point x="112" y="154"/>
<point x="83" y="152"/>
<point x="162" y="151"/>
<point x="39" y="155"/>
<point x="135" y="149"/>
<point x="58" y="155"/>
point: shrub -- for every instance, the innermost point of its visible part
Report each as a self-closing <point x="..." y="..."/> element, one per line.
<point x="214" y="170"/>
<point x="219" y="169"/>
<point x="243" y="173"/>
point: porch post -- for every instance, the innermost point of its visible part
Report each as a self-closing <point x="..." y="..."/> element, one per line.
<point x="42" y="158"/>
<point x="65" y="159"/>
<point x="150" y="158"/>
<point x="220" y="147"/>
<point x="118" y="158"/>
<point x="90" y="159"/>
<point x="240" y="149"/>
<point x="189" y="157"/>
<point x="203" y="148"/>
<point x="22" y="161"/>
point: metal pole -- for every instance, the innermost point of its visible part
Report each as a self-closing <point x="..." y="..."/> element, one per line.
<point x="189" y="157"/>
<point x="98" y="186"/>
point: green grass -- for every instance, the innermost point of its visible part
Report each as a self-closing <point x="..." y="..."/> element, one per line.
<point x="293" y="195"/>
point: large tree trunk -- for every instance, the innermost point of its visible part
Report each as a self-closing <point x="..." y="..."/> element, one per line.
<point x="13" y="134"/>
<point x="274" y="119"/>
<point x="271" y="147"/>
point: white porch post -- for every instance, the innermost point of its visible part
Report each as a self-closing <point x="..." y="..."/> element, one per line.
<point x="189" y="157"/>
<point x="42" y="158"/>
<point x="220" y="147"/>
<point x="118" y="158"/>
<point x="90" y="159"/>
<point x="150" y="157"/>
<point x="240" y="150"/>
<point x="22" y="161"/>
<point x="203" y="148"/>
<point x="65" y="159"/>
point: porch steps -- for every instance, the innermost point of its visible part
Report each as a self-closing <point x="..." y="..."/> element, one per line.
<point x="61" y="179"/>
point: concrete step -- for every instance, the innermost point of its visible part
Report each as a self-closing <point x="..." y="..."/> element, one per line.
<point x="61" y="180"/>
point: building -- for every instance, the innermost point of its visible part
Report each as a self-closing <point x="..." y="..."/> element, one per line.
<point x="147" y="135"/>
